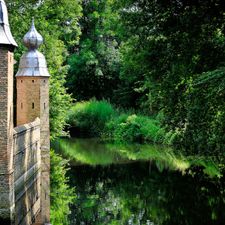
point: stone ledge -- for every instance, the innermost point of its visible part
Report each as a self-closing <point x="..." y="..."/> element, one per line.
<point x="26" y="127"/>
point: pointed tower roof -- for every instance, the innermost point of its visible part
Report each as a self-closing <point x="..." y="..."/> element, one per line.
<point x="6" y="37"/>
<point x="32" y="39"/>
<point x="32" y="63"/>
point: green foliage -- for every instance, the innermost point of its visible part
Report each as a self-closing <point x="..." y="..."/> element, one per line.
<point x="99" y="118"/>
<point x="94" y="64"/>
<point x="62" y="195"/>
<point x="206" y="114"/>
<point x="167" y="48"/>
<point x="90" y="117"/>
<point x="60" y="103"/>
<point x="60" y="31"/>
<point x="154" y="56"/>
<point x="134" y="128"/>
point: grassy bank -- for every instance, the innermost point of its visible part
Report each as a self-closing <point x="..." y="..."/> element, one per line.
<point x="100" y="119"/>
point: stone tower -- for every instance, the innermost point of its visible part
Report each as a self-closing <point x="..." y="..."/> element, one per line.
<point x="7" y="45"/>
<point x="32" y="102"/>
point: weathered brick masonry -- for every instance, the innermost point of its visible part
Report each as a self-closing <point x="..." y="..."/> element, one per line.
<point x="27" y="172"/>
<point x="6" y="134"/>
<point x="33" y="102"/>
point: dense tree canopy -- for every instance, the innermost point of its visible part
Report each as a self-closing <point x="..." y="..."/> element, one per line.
<point x="174" y="55"/>
<point x="94" y="64"/>
<point x="158" y="57"/>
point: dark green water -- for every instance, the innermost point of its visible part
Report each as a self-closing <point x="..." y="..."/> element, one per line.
<point x="118" y="188"/>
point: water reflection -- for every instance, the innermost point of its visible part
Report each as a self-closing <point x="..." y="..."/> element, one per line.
<point x="138" y="194"/>
<point x="141" y="185"/>
<point x="87" y="151"/>
<point x="95" y="152"/>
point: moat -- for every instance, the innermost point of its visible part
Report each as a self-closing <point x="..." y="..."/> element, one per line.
<point x="118" y="188"/>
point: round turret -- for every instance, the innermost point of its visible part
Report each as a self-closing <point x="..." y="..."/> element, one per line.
<point x="32" y="63"/>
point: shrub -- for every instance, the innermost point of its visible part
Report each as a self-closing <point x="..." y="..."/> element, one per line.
<point x="99" y="119"/>
<point x="134" y="128"/>
<point x="90" y="117"/>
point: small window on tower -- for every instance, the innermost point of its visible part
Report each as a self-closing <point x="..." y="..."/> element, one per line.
<point x="44" y="106"/>
<point x="32" y="105"/>
<point x="21" y="105"/>
<point x="21" y="81"/>
<point x="32" y="81"/>
<point x="44" y="81"/>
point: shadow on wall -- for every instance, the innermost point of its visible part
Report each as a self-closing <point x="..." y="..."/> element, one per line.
<point x="27" y="162"/>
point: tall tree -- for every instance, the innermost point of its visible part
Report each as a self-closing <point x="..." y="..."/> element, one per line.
<point x="94" y="63"/>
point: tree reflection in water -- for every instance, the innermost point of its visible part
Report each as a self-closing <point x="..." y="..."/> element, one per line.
<point x="138" y="194"/>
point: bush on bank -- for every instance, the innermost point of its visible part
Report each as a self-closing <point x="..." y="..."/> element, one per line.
<point x="100" y="119"/>
<point x="133" y="128"/>
<point x="89" y="118"/>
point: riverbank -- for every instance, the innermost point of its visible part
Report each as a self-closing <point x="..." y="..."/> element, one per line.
<point x="124" y="135"/>
<point x="101" y="119"/>
<point x="138" y="144"/>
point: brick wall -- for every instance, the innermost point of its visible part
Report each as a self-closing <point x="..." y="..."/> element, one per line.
<point x="45" y="148"/>
<point x="6" y="134"/>
<point x="28" y="99"/>
<point x="27" y="175"/>
<point x="32" y="102"/>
